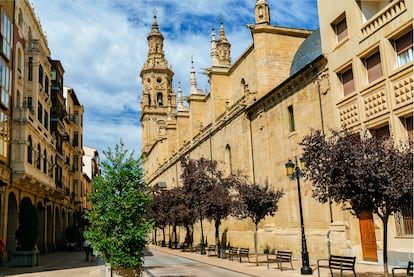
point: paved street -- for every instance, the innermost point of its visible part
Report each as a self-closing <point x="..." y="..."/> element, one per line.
<point x="162" y="262"/>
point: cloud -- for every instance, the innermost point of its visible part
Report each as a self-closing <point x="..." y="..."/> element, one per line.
<point x="102" y="44"/>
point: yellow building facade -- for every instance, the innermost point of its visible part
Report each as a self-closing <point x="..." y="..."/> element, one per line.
<point x="41" y="147"/>
<point x="260" y="107"/>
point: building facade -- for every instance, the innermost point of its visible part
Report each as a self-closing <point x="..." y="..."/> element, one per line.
<point x="258" y="109"/>
<point x="41" y="146"/>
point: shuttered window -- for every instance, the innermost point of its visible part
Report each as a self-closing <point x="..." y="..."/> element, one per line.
<point x="404" y="48"/>
<point x="347" y="79"/>
<point x="341" y="30"/>
<point x="373" y="66"/>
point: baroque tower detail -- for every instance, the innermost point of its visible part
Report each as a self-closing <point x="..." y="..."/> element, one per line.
<point x="158" y="98"/>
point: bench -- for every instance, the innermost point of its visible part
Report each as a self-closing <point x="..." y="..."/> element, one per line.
<point x="211" y="250"/>
<point x="280" y="257"/>
<point x="232" y="252"/>
<point x="341" y="263"/>
<point x="244" y="252"/>
<point x="408" y="269"/>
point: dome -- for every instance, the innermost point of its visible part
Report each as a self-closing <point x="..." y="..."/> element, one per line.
<point x="308" y="51"/>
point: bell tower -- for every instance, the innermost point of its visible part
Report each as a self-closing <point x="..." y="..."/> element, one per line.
<point x="158" y="98"/>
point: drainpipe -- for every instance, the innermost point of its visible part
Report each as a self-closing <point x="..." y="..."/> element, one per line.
<point x="328" y="240"/>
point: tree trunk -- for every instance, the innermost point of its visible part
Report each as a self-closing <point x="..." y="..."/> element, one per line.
<point x="163" y="237"/>
<point x="385" y="243"/>
<point x="217" y="225"/>
<point x="255" y="244"/>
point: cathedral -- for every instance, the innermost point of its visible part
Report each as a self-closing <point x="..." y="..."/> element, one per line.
<point x="259" y="107"/>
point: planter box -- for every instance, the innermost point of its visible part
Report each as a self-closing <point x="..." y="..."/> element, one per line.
<point x="121" y="272"/>
<point x="24" y="258"/>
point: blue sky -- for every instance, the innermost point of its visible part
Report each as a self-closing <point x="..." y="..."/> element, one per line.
<point x="102" y="44"/>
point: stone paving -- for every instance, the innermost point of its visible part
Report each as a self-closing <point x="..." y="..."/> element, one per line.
<point x="71" y="264"/>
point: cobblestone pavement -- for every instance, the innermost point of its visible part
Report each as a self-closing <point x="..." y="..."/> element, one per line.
<point x="72" y="264"/>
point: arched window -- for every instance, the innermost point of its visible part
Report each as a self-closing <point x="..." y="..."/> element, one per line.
<point x="30" y="151"/>
<point x="20" y="19"/>
<point x="19" y="60"/>
<point x="228" y="164"/>
<point x="51" y="166"/>
<point x="39" y="152"/>
<point x="159" y="99"/>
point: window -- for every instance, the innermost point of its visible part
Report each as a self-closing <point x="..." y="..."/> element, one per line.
<point x="75" y="163"/>
<point x="38" y="158"/>
<point x="404" y="48"/>
<point x="4" y="134"/>
<point x="30" y="150"/>
<point x="47" y="85"/>
<point x="347" y="80"/>
<point x="373" y="67"/>
<point x="228" y="160"/>
<point x="5" y="83"/>
<point x="408" y="122"/>
<point x="30" y="70"/>
<point x="30" y="103"/>
<point x="76" y="117"/>
<point x="159" y="99"/>
<point x="44" y="162"/>
<point x="46" y="122"/>
<point x="341" y="30"/>
<point x="40" y="74"/>
<point x="291" y="119"/>
<point x="75" y="139"/>
<point x="6" y="35"/>
<point x="404" y="221"/>
<point x="39" y="112"/>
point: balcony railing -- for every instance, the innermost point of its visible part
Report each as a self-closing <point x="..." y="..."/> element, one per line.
<point x="384" y="16"/>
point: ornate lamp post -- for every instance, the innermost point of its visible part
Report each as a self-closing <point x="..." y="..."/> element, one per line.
<point x="295" y="172"/>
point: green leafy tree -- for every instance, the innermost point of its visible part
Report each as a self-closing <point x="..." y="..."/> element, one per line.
<point x="27" y="232"/>
<point x="255" y="201"/>
<point x="120" y="201"/>
<point x="369" y="174"/>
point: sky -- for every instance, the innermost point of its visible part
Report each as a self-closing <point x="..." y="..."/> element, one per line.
<point x="102" y="45"/>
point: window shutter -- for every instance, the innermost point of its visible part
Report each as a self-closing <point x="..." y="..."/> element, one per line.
<point x="373" y="65"/>
<point x="404" y="42"/>
<point x="348" y="82"/>
<point x="341" y="30"/>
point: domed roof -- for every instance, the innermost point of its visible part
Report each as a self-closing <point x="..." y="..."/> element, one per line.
<point x="308" y="51"/>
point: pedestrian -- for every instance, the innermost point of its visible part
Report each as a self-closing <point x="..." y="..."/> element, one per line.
<point x="87" y="249"/>
<point x="1" y="251"/>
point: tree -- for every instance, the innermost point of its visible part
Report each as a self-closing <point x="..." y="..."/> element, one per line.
<point x="120" y="202"/>
<point x="27" y="232"/>
<point x="255" y="201"/>
<point x="367" y="173"/>
<point x="203" y="183"/>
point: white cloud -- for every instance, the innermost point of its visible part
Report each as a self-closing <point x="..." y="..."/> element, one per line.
<point x="102" y="44"/>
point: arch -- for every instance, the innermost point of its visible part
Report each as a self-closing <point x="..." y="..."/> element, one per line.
<point x="160" y="100"/>
<point x="30" y="150"/>
<point x="49" y="229"/>
<point x="59" y="235"/>
<point x="12" y="221"/>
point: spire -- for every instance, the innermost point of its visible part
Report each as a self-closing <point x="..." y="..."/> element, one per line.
<point x="193" y="82"/>
<point x="180" y="97"/>
<point x="262" y="12"/>
<point x="213" y="51"/>
<point x="223" y="48"/>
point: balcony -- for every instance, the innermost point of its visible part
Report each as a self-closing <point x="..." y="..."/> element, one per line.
<point x="383" y="17"/>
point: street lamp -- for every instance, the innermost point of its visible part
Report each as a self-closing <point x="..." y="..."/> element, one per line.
<point x="295" y="172"/>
